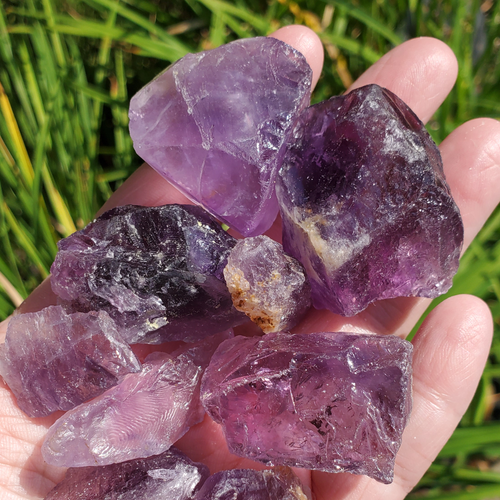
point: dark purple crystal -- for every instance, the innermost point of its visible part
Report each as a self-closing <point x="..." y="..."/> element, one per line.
<point x="215" y="124"/>
<point x="270" y="287"/>
<point x="55" y="361"/>
<point x="157" y="271"/>
<point x="170" y="475"/>
<point x="365" y="204"/>
<point x="335" y="402"/>
<point x="245" y="484"/>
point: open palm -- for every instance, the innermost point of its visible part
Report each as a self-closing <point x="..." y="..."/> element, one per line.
<point x="450" y="348"/>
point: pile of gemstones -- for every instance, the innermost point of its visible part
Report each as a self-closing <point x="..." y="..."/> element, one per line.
<point x="366" y="214"/>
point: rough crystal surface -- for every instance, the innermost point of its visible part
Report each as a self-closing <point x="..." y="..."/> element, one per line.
<point x="269" y="286"/>
<point x="55" y="361"/>
<point x="245" y="484"/>
<point x="170" y="475"/>
<point x="142" y="416"/>
<point x="365" y="204"/>
<point x="335" y="402"/>
<point x="157" y="271"/>
<point x="215" y="124"/>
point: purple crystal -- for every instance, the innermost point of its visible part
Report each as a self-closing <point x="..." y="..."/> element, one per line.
<point x="335" y="402"/>
<point x="157" y="271"/>
<point x="55" y="361"/>
<point x="245" y="484"/>
<point x="365" y="204"/>
<point x="142" y="416"/>
<point x="215" y="124"/>
<point x="266" y="284"/>
<point x="170" y="475"/>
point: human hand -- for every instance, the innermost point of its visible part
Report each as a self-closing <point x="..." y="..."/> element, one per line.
<point x="450" y="348"/>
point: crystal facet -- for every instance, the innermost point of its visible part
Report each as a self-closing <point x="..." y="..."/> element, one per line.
<point x="266" y="284"/>
<point x="245" y="484"/>
<point x="335" y="402"/>
<point x="170" y="475"/>
<point x="157" y="271"/>
<point x="215" y="124"/>
<point x="365" y="204"/>
<point x="55" y="361"/>
<point x="142" y="416"/>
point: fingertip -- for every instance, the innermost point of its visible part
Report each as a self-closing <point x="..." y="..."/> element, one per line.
<point x="455" y="339"/>
<point x="421" y="71"/>
<point x="307" y="42"/>
<point x="460" y="317"/>
<point x="471" y="158"/>
<point x="450" y="351"/>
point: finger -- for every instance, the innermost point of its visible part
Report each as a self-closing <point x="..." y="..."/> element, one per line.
<point x="471" y="155"/>
<point x="421" y="71"/>
<point x="451" y="349"/>
<point x="307" y="43"/>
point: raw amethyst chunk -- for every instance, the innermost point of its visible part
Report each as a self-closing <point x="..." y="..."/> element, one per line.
<point x="215" y="124"/>
<point x="245" y="484"/>
<point x="170" y="475"/>
<point x="365" y="204"/>
<point x="335" y="402"/>
<point x="142" y="416"/>
<point x="55" y="361"/>
<point x="157" y="271"/>
<point x="266" y="284"/>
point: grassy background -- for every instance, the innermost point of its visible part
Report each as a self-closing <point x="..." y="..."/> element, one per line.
<point x="67" y="70"/>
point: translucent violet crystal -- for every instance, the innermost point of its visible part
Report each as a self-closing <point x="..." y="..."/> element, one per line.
<point x="245" y="484"/>
<point x="336" y="402"/>
<point x="365" y="204"/>
<point x="170" y="475"/>
<point x="55" y="361"/>
<point x="157" y="271"/>
<point x="142" y="416"/>
<point x="215" y="124"/>
<point x="269" y="286"/>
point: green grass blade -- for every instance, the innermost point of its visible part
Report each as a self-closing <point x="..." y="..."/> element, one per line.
<point x="144" y="23"/>
<point x="468" y="439"/>
<point x="10" y="290"/>
<point x="483" y="492"/>
<point x="358" y="13"/>
<point x="352" y="46"/>
<point x="258" y="23"/>
<point x="24" y="241"/>
<point x="20" y="152"/>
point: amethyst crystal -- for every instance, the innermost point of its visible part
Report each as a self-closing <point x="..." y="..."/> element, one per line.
<point x="170" y="475"/>
<point x="215" y="124"/>
<point x="266" y="284"/>
<point x="245" y="484"/>
<point x="334" y="402"/>
<point x="142" y="416"/>
<point x="157" y="271"/>
<point x="55" y="361"/>
<point x="365" y="204"/>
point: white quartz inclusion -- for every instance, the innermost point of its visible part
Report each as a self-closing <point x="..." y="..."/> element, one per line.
<point x="269" y="286"/>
